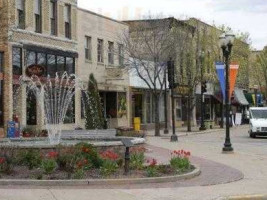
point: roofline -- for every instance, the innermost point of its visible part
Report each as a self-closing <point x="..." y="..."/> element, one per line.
<point x="99" y="15"/>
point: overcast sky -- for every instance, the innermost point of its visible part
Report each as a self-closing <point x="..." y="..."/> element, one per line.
<point x="241" y="15"/>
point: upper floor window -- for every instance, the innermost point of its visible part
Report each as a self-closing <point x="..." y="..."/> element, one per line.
<point x="111" y="53"/>
<point x="121" y="54"/>
<point x="17" y="61"/>
<point x="67" y="20"/>
<point x="38" y="16"/>
<point x="20" y="6"/>
<point x="88" y="48"/>
<point x="53" y="17"/>
<point x="100" y="49"/>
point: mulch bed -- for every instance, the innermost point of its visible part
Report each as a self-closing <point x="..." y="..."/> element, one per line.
<point x="22" y="172"/>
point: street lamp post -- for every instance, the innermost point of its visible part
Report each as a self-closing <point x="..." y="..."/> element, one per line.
<point x="166" y="130"/>
<point x="202" y="125"/>
<point x="172" y="85"/>
<point x="226" y="43"/>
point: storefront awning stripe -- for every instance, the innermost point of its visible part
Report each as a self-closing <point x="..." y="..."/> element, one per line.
<point x="240" y="97"/>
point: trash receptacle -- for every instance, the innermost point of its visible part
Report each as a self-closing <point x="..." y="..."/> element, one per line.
<point x="137" y="123"/>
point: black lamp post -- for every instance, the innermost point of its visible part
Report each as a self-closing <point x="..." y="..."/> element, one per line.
<point x="203" y="87"/>
<point x="172" y="85"/>
<point x="226" y="43"/>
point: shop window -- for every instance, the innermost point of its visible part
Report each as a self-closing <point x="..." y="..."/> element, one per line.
<point x="17" y="61"/>
<point x="67" y="20"/>
<point x="100" y="49"/>
<point x="37" y="14"/>
<point x="31" y="108"/>
<point x="122" y="104"/>
<point x="88" y="48"/>
<point x="51" y="65"/>
<point x="30" y="58"/>
<point x="111" y="53"/>
<point x="20" y="6"/>
<point x="60" y="65"/>
<point x="111" y="104"/>
<point x="53" y="17"/>
<point x="70" y="65"/>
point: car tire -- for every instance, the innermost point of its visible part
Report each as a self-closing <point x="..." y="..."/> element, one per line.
<point x="252" y="135"/>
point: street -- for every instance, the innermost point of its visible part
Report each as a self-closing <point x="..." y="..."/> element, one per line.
<point x="249" y="158"/>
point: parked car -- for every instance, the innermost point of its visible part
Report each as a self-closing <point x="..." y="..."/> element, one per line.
<point x="258" y="121"/>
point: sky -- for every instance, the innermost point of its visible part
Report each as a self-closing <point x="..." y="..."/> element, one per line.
<point x="241" y="15"/>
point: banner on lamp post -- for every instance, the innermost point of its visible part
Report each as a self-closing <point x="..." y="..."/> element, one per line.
<point x="233" y="74"/>
<point x="220" y="68"/>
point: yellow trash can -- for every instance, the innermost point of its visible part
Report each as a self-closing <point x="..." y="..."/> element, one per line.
<point x="137" y="123"/>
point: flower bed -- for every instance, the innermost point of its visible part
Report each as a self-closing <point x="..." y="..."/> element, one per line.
<point x="83" y="161"/>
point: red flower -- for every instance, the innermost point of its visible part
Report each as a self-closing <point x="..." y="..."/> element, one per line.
<point x="153" y="163"/>
<point x="2" y="160"/>
<point x="52" y="154"/>
<point x="85" y="149"/>
<point x="109" y="155"/>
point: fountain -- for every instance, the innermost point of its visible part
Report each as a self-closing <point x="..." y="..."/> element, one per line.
<point x="54" y="97"/>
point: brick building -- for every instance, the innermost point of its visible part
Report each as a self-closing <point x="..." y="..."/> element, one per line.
<point x="41" y="32"/>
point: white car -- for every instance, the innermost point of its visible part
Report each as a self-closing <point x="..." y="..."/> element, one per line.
<point x="258" y="121"/>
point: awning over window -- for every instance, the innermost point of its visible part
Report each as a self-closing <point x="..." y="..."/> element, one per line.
<point x="239" y="97"/>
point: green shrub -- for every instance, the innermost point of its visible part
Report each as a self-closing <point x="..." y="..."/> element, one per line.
<point x="6" y="164"/>
<point x="180" y="164"/>
<point x="151" y="171"/>
<point x="109" y="167"/>
<point x="49" y="165"/>
<point x="137" y="160"/>
<point x="30" y="158"/>
<point x="79" y="174"/>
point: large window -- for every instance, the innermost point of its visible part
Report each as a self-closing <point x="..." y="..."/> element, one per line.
<point x="111" y="53"/>
<point x="20" y="6"/>
<point x="100" y="49"/>
<point x="53" y="17"/>
<point x="31" y="108"/>
<point x="17" y="61"/>
<point x="67" y="20"/>
<point x="88" y="48"/>
<point x="111" y="104"/>
<point x="51" y="63"/>
<point x="121" y="55"/>
<point x="38" y="16"/>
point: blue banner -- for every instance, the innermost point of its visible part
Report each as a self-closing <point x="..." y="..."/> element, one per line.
<point x="220" y="68"/>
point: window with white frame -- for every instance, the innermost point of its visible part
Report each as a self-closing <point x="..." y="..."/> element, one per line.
<point x="67" y="20"/>
<point x="20" y="6"/>
<point x="53" y="17"/>
<point x="88" y="48"/>
<point x="100" y="49"/>
<point x="121" y="54"/>
<point x="111" y="53"/>
<point x="37" y="15"/>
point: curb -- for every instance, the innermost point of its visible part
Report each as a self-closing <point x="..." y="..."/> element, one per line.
<point x="246" y="197"/>
<point x="164" y="179"/>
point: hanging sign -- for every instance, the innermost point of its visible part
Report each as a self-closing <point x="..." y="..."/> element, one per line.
<point x="220" y="68"/>
<point x="233" y="74"/>
<point x="36" y="70"/>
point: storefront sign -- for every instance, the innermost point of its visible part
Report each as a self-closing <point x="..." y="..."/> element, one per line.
<point x="182" y="90"/>
<point x="36" y="70"/>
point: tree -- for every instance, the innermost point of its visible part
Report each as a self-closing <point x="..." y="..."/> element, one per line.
<point x="93" y="109"/>
<point x="148" y="48"/>
<point x="260" y="67"/>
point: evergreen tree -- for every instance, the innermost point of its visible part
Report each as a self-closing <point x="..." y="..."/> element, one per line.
<point x="94" y="108"/>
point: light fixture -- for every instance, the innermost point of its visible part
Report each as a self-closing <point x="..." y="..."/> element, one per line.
<point x="222" y="40"/>
<point x="230" y="37"/>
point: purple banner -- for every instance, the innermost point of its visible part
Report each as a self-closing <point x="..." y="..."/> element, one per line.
<point x="220" y="68"/>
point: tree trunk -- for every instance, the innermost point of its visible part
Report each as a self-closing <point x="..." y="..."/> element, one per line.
<point x="156" y="111"/>
<point x="189" y="112"/>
